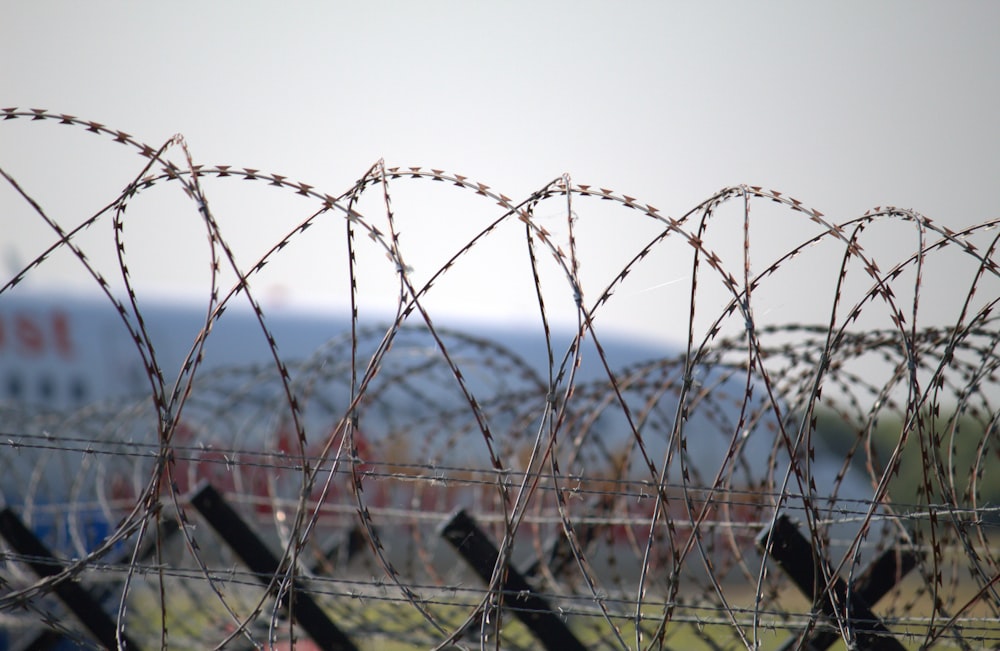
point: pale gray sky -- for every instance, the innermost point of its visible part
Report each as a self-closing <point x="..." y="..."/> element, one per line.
<point x="844" y="105"/>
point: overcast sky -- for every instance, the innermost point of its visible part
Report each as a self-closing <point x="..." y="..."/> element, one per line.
<point x="844" y="105"/>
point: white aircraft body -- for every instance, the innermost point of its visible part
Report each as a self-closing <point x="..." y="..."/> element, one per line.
<point x="82" y="428"/>
<point x="60" y="351"/>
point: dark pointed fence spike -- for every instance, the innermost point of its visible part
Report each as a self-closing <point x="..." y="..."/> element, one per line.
<point x="462" y="532"/>
<point x="264" y="564"/>
<point x="793" y="553"/>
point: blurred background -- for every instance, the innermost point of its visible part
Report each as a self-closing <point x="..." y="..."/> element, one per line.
<point x="844" y="106"/>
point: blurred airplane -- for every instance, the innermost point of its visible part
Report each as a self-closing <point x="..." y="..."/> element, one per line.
<point x="62" y="354"/>
<point x="60" y="351"/>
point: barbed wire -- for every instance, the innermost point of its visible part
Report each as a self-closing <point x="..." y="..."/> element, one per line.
<point x="649" y="504"/>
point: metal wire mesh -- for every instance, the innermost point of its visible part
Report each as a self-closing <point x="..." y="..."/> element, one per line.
<point x="636" y="499"/>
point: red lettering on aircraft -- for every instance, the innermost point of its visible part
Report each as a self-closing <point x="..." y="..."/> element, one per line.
<point x="28" y="334"/>
<point x="60" y="332"/>
<point x="32" y="334"/>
